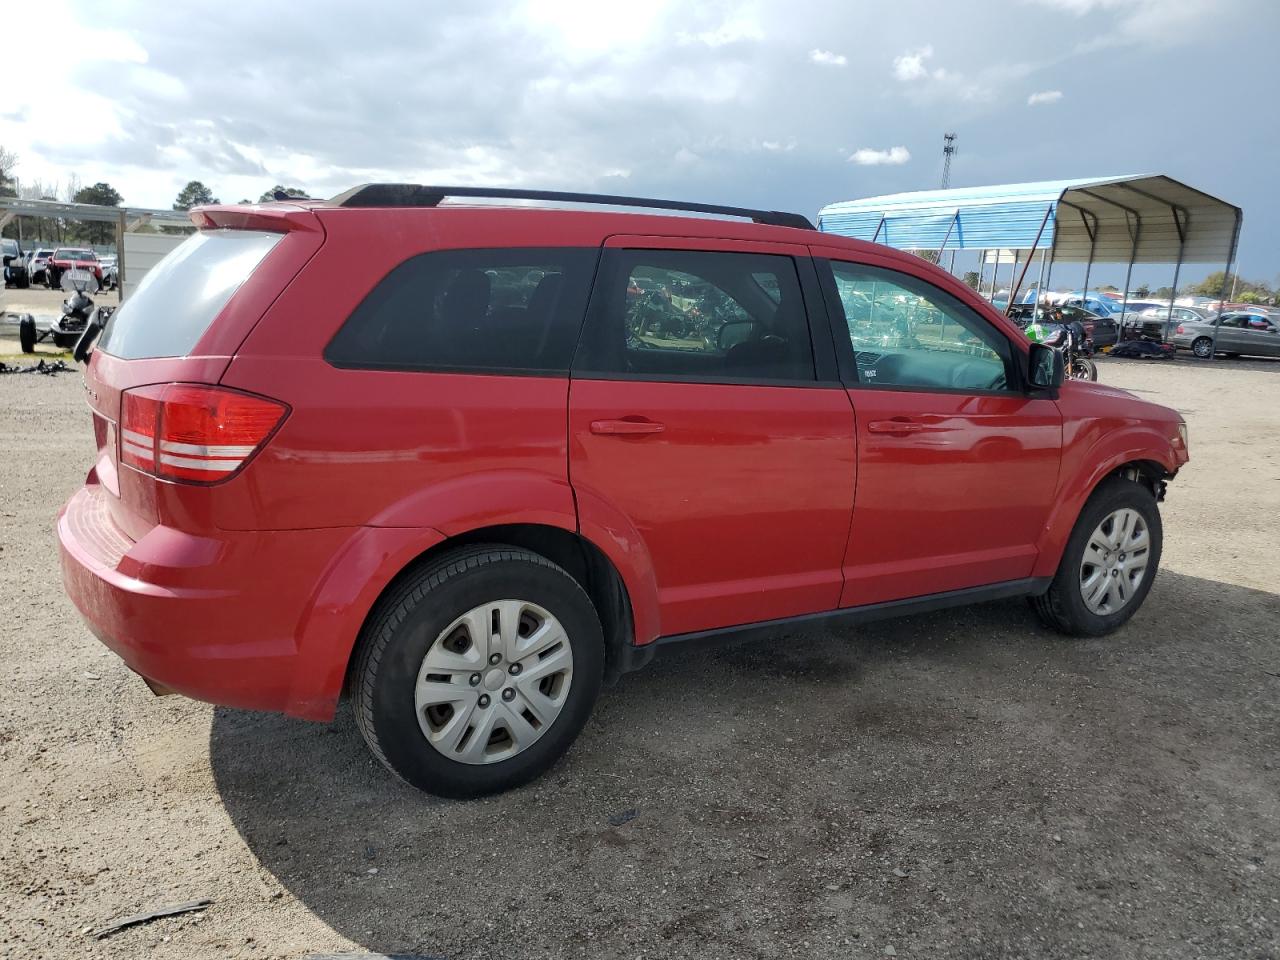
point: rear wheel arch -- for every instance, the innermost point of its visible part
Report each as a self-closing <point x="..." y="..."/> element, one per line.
<point x="586" y="563"/>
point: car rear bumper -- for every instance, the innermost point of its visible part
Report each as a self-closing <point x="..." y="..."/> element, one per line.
<point x="226" y="617"/>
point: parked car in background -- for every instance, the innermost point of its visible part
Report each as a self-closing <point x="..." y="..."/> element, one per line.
<point x="38" y="264"/>
<point x="1101" y="331"/>
<point x="548" y="491"/>
<point x="1239" y="333"/>
<point x="71" y="258"/>
<point x="110" y="271"/>
<point x="15" y="264"/>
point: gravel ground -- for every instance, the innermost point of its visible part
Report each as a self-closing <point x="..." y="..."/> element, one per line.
<point x="956" y="785"/>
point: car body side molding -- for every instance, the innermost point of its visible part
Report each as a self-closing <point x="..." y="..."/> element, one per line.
<point x="867" y="613"/>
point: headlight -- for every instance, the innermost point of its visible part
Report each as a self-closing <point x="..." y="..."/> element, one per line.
<point x="1182" y="435"/>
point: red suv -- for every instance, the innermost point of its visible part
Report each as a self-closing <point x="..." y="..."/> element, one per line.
<point x="467" y="462"/>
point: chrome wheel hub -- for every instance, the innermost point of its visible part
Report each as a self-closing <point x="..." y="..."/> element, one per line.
<point x="493" y="682"/>
<point x="1115" y="561"/>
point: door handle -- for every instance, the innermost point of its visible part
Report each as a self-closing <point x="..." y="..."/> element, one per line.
<point x="626" y="427"/>
<point x="894" y="426"/>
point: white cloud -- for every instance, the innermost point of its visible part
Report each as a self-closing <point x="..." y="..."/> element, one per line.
<point x="910" y="66"/>
<point x="894" y="156"/>
<point x="1044" y="96"/>
<point x="731" y="31"/>
<point x="828" y="58"/>
<point x="1146" y="22"/>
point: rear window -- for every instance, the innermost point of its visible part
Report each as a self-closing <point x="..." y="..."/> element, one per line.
<point x="514" y="310"/>
<point x="179" y="297"/>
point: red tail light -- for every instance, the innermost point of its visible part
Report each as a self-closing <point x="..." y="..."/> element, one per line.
<point x="195" y="433"/>
<point x="1179" y="330"/>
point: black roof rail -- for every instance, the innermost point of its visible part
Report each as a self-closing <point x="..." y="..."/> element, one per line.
<point x="417" y="195"/>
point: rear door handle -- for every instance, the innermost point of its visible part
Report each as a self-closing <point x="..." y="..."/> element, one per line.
<point x="626" y="428"/>
<point x="894" y="426"/>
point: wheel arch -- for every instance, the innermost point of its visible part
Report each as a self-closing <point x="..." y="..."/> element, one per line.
<point x="1132" y="457"/>
<point x="583" y="560"/>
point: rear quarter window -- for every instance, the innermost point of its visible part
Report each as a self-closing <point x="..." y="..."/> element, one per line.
<point x="180" y="296"/>
<point x="515" y="310"/>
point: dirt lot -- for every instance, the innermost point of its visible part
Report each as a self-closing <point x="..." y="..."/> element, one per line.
<point x="957" y="785"/>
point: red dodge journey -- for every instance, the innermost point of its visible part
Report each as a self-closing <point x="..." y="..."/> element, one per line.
<point x="465" y="461"/>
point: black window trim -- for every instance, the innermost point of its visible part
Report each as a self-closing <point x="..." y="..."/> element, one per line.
<point x="846" y="357"/>
<point x="825" y="366"/>
<point x="408" y="366"/>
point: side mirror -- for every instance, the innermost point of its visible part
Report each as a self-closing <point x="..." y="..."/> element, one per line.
<point x="734" y="332"/>
<point x="1047" y="368"/>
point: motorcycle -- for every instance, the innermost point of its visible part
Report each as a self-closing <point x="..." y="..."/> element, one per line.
<point x="77" y="311"/>
<point x="1070" y="338"/>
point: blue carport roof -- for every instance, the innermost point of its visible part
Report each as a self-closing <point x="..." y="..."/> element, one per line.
<point x="1148" y="217"/>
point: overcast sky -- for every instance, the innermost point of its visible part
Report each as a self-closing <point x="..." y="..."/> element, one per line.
<point x="786" y="104"/>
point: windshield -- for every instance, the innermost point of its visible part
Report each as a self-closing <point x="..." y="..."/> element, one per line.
<point x="180" y="296"/>
<point x="71" y="253"/>
<point x="9" y="246"/>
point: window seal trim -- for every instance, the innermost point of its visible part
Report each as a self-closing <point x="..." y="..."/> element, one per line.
<point x="706" y="381"/>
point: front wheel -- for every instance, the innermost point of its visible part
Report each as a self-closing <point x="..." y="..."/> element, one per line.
<point x="1202" y="347"/>
<point x="477" y="672"/>
<point x="1109" y="563"/>
<point x="1082" y="368"/>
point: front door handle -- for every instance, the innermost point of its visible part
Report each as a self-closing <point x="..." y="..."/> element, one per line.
<point x="894" y="426"/>
<point x="626" y="427"/>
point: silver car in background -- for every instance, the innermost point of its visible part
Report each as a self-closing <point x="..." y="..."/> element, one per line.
<point x="1240" y="332"/>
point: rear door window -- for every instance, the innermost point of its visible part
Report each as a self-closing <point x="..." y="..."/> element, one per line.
<point x="705" y="316"/>
<point x="516" y="310"/>
<point x="180" y="296"/>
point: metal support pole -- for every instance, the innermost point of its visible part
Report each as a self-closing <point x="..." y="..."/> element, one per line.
<point x="1012" y="272"/>
<point x="1128" y="274"/>
<point x="121" y="223"/>
<point x="951" y="226"/>
<point x="1035" y="312"/>
<point x="875" y="237"/>
<point x="1222" y="294"/>
<point x="952" y="268"/>
<point x="1013" y="292"/>
<point x="1182" y="243"/>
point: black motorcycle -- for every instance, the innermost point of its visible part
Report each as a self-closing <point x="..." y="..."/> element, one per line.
<point x="77" y="310"/>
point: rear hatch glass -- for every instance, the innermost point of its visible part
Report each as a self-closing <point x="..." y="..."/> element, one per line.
<point x="179" y="297"/>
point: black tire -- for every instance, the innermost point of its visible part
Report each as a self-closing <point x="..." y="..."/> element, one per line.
<point x="23" y="282"/>
<point x="407" y="622"/>
<point x="1202" y="347"/>
<point x="65" y="341"/>
<point x="1062" y="607"/>
<point x="27" y="334"/>
<point x="52" y="279"/>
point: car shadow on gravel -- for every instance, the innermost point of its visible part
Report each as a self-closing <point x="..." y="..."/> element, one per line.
<point x="962" y="780"/>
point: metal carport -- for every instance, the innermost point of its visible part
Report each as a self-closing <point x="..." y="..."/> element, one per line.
<point x="126" y="219"/>
<point x="1135" y="219"/>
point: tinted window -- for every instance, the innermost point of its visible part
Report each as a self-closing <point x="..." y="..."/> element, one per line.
<point x="907" y="333"/>
<point x="179" y="297"/>
<point x="699" y="315"/>
<point x="482" y="310"/>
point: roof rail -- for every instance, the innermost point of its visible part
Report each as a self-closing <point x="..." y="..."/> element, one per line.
<point x="417" y="195"/>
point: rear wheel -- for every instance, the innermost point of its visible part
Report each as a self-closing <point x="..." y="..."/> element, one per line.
<point x="27" y="334"/>
<point x="1082" y="368"/>
<point x="1109" y="563"/>
<point x="477" y="672"/>
<point x="1202" y="347"/>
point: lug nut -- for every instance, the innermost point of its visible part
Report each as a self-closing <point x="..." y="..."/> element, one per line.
<point x="513" y="669"/>
<point x="508" y="694"/>
<point x="495" y="658"/>
<point x="484" y="700"/>
<point x="475" y="679"/>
